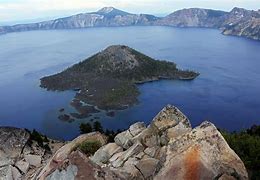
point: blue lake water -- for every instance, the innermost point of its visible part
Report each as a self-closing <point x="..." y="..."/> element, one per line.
<point x="227" y="92"/>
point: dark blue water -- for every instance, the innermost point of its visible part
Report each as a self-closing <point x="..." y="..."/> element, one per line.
<point x="226" y="92"/>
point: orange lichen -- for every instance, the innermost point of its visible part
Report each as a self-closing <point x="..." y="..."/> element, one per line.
<point x="192" y="164"/>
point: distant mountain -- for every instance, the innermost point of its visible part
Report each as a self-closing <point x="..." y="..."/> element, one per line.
<point x="239" y="22"/>
<point x="242" y="22"/>
<point x="107" y="16"/>
<point x="194" y="17"/>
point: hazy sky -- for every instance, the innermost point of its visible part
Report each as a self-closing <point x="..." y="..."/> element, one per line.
<point x="18" y="10"/>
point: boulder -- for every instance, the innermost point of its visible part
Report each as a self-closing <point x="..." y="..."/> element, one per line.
<point x="69" y="173"/>
<point x="201" y="154"/>
<point x="152" y="151"/>
<point x="136" y="128"/>
<point x="105" y="153"/>
<point x="33" y="160"/>
<point x="10" y="173"/>
<point x="148" y="167"/>
<point x="123" y="157"/>
<point x="125" y="139"/>
<point x="12" y="141"/>
<point x="148" y="137"/>
<point x="23" y="166"/>
<point x="169" y="117"/>
<point x="62" y="154"/>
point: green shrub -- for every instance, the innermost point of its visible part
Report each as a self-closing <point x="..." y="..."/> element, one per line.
<point x="89" y="147"/>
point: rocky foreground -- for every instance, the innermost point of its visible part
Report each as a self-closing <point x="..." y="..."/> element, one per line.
<point x="167" y="149"/>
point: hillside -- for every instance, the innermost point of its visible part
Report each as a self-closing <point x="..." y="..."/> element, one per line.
<point x="108" y="79"/>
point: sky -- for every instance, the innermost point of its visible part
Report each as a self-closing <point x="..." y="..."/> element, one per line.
<point x="29" y="10"/>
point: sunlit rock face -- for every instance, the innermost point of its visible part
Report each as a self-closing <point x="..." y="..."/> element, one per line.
<point x="166" y="149"/>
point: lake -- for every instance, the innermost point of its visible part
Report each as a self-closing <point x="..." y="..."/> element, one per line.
<point x="226" y="93"/>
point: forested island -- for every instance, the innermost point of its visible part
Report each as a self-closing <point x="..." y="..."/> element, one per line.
<point x="107" y="80"/>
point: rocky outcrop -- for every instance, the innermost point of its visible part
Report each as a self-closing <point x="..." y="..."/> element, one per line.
<point x="167" y="149"/>
<point x="62" y="156"/>
<point x="242" y="22"/>
<point x="20" y="156"/>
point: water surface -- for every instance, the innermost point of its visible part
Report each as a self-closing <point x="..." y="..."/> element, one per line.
<point x="226" y="92"/>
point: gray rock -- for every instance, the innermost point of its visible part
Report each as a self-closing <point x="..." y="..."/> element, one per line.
<point x="169" y="117"/>
<point x="123" y="157"/>
<point x="33" y="160"/>
<point x="148" y="167"/>
<point x="105" y="153"/>
<point x="23" y="166"/>
<point x="137" y="128"/>
<point x="124" y="139"/>
<point x="69" y="173"/>
<point x="12" y="141"/>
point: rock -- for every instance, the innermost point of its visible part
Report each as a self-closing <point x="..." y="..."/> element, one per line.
<point x="178" y="130"/>
<point x="69" y="173"/>
<point x="148" y="137"/>
<point x="6" y="172"/>
<point x="78" y="166"/>
<point x="124" y="139"/>
<point x="105" y="153"/>
<point x="123" y="157"/>
<point x="23" y="166"/>
<point x="9" y="173"/>
<point x="16" y="175"/>
<point x="166" y="149"/>
<point x="63" y="153"/>
<point x="169" y="117"/>
<point x="12" y="141"/>
<point x="148" y="167"/>
<point x="136" y="128"/>
<point x="201" y="154"/>
<point x="152" y="151"/>
<point x="33" y="160"/>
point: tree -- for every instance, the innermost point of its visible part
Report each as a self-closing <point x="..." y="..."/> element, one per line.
<point x="98" y="127"/>
<point x="85" y="128"/>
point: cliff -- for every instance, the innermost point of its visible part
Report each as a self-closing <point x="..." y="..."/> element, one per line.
<point x="168" y="148"/>
<point x="241" y="22"/>
<point x="238" y="22"/>
<point x="107" y="16"/>
<point x="108" y="79"/>
<point x="194" y="17"/>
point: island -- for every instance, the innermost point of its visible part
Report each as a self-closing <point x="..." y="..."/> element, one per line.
<point x="108" y="80"/>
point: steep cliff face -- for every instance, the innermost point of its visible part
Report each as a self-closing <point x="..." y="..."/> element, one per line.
<point x="107" y="16"/>
<point x="239" y="22"/>
<point x="167" y="149"/>
<point x="242" y="22"/>
<point x="194" y="17"/>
